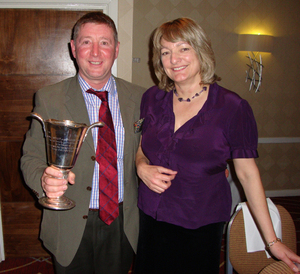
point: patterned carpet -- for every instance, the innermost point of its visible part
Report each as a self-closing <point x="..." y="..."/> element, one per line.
<point x="27" y="266"/>
<point x="44" y="265"/>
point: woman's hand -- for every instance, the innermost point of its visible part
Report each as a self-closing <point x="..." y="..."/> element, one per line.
<point x="248" y="175"/>
<point x="53" y="183"/>
<point x="282" y="252"/>
<point x="157" y="178"/>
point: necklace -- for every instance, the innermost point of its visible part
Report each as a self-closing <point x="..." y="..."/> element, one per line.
<point x="188" y="99"/>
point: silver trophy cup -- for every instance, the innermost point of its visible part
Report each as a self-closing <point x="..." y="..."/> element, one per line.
<point x="63" y="142"/>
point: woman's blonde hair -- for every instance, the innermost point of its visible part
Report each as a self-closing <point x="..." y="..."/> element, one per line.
<point x="187" y="30"/>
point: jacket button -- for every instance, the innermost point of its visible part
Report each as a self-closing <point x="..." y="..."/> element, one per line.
<point x="89" y="188"/>
<point x="85" y="217"/>
<point x="93" y="158"/>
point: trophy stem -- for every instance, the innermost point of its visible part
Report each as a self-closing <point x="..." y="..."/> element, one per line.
<point x="58" y="203"/>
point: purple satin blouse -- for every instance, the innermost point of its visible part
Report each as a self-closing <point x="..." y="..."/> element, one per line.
<point x="223" y="129"/>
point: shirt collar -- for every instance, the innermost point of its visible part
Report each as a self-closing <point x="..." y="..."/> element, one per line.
<point x="109" y="86"/>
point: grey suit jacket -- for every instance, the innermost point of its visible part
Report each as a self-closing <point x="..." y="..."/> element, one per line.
<point x="61" y="231"/>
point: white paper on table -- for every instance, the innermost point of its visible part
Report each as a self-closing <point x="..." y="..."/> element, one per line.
<point x="254" y="241"/>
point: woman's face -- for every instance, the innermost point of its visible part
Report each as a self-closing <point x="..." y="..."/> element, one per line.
<point x="180" y="62"/>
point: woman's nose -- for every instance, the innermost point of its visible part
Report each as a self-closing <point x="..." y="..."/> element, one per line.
<point x="174" y="58"/>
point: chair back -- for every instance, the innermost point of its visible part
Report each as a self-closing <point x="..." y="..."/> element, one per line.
<point x="277" y="268"/>
<point x="252" y="263"/>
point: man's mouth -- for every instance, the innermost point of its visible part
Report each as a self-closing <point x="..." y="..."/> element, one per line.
<point x="95" y="63"/>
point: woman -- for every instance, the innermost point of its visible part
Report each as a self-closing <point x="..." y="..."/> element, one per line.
<point x="191" y="127"/>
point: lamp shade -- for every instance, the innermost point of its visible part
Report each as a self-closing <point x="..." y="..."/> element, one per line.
<point x="253" y="42"/>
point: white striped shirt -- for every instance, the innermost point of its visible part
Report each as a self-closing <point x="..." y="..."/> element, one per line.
<point x="93" y="104"/>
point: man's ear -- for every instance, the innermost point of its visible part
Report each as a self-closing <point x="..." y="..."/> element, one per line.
<point x="73" y="48"/>
<point x="117" y="50"/>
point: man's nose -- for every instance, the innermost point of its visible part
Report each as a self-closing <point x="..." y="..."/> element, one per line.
<point x="95" y="49"/>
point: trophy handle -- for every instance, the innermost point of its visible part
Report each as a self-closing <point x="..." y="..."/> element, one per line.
<point x="39" y="117"/>
<point x="97" y="124"/>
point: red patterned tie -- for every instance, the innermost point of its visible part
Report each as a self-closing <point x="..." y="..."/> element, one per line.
<point x="106" y="156"/>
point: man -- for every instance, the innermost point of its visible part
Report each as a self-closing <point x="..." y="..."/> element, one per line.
<point x="79" y="240"/>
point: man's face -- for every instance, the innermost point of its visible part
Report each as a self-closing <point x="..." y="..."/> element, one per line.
<point x="95" y="52"/>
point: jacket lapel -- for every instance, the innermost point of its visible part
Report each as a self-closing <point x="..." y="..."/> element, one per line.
<point x="127" y="107"/>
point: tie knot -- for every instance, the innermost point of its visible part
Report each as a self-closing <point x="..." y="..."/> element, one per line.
<point x="102" y="95"/>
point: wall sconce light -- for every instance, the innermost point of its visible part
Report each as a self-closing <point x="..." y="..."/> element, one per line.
<point x="255" y="44"/>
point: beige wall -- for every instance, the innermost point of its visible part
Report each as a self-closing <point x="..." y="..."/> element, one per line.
<point x="125" y="33"/>
<point x="276" y="106"/>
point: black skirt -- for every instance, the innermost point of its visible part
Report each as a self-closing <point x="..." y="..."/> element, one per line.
<point x="167" y="248"/>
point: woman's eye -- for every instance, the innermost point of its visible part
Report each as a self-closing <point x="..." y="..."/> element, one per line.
<point x="185" y="49"/>
<point x="164" y="53"/>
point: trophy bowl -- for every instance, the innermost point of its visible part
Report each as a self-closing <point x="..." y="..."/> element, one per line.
<point x="64" y="139"/>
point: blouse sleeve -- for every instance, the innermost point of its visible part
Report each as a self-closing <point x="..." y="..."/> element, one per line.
<point x="243" y="136"/>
